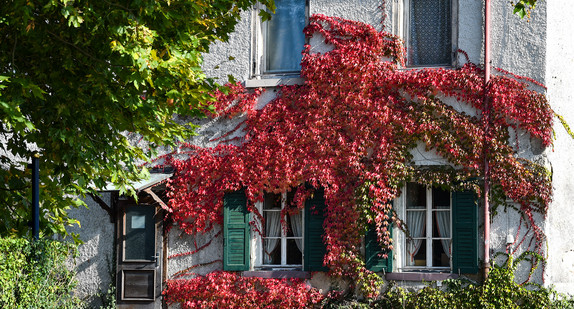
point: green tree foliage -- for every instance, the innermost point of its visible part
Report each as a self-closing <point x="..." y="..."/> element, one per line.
<point x="77" y="75"/>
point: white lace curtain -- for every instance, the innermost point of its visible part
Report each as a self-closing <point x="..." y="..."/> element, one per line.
<point x="416" y="223"/>
<point x="272" y="229"/>
<point x="297" y="228"/>
<point x="430" y="32"/>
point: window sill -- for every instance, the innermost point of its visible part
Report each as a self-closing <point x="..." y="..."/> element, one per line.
<point x="432" y="67"/>
<point x="277" y="274"/>
<point x="273" y="82"/>
<point x="419" y="276"/>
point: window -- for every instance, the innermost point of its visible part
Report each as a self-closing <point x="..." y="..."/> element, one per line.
<point x="284" y="38"/>
<point x="280" y="40"/>
<point x="428" y="217"/>
<point x="443" y="229"/>
<point x="429" y="32"/>
<point x="282" y="244"/>
<point x="443" y="238"/>
<point x="295" y="245"/>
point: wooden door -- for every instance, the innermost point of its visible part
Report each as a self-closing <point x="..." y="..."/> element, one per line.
<point x="139" y="280"/>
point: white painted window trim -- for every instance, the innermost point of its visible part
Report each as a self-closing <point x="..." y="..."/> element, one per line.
<point x="258" y="76"/>
<point x="400" y="256"/>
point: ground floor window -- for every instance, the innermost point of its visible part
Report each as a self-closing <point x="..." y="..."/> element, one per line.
<point x="289" y="240"/>
<point x="428" y="217"/>
<point x="282" y="244"/>
<point x="442" y="231"/>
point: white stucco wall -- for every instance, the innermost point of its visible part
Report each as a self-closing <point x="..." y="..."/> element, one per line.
<point x="217" y="64"/>
<point x="95" y="262"/>
<point x="209" y="251"/>
<point x="559" y="76"/>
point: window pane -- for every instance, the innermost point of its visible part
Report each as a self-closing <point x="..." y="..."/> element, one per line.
<point x="138" y="284"/>
<point x="271" y="201"/>
<point x="430" y="40"/>
<point x="140" y="233"/>
<point x="441" y="224"/>
<point x="272" y="251"/>
<point x="416" y="252"/>
<point x="441" y="253"/>
<point x="272" y="223"/>
<point x="440" y="198"/>
<point x="284" y="37"/>
<point x="416" y="195"/>
<point x="294" y="255"/>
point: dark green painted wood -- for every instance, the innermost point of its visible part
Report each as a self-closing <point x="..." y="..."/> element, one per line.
<point x="236" y="232"/>
<point x="315" y="249"/>
<point x="373" y="259"/>
<point x="465" y="232"/>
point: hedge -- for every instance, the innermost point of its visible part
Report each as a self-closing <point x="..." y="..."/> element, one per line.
<point x="33" y="274"/>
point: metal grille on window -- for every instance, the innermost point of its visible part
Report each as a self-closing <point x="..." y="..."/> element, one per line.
<point x="430" y="33"/>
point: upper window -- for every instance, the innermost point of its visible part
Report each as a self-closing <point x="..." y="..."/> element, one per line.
<point x="429" y="32"/>
<point x="284" y="38"/>
<point x="280" y="40"/>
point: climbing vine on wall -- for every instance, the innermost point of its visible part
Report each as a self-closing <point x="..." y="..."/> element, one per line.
<point x="229" y="290"/>
<point x="351" y="127"/>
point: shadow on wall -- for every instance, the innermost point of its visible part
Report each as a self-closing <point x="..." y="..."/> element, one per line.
<point x="95" y="263"/>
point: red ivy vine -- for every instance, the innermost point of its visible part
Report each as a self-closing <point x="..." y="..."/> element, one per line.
<point x="229" y="290"/>
<point x="350" y="129"/>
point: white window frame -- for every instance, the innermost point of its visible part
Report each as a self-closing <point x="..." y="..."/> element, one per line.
<point x="258" y="249"/>
<point x="402" y="29"/>
<point x="402" y="254"/>
<point x="258" y="50"/>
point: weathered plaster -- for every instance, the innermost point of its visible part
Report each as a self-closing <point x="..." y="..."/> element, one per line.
<point x="470" y="30"/>
<point x="366" y="11"/>
<point x="559" y="76"/>
<point x="217" y="63"/>
<point x="95" y="262"/>
<point x="519" y="45"/>
<point x="181" y="243"/>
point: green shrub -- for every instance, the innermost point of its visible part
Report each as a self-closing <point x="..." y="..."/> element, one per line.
<point x="33" y="274"/>
<point x="500" y="291"/>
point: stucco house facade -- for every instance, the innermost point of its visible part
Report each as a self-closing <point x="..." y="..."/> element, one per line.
<point x="127" y="245"/>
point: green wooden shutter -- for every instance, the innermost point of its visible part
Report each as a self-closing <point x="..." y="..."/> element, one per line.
<point x="315" y="249"/>
<point x="373" y="260"/>
<point x="465" y="232"/>
<point x="236" y="230"/>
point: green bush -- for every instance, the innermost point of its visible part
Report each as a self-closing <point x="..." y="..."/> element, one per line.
<point x="500" y="291"/>
<point x="33" y="274"/>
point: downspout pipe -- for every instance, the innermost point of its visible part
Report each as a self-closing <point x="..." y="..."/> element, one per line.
<point x="486" y="114"/>
<point x="36" y="196"/>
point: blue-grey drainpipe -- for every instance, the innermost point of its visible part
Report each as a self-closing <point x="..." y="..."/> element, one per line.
<point x="36" y="196"/>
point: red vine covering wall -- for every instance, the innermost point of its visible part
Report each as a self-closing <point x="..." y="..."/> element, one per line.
<point x="350" y="129"/>
<point x="229" y="290"/>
